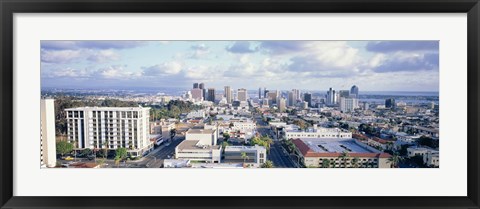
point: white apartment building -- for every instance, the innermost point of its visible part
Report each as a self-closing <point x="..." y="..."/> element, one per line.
<point x="348" y="104"/>
<point x="110" y="127"/>
<point x="48" y="153"/>
<point x="200" y="145"/>
<point x="430" y="156"/>
<point x="255" y="155"/>
<point x="317" y="132"/>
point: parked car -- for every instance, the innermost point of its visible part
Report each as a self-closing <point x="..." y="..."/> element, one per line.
<point x="69" y="158"/>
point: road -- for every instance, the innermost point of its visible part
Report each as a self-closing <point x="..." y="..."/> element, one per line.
<point x="277" y="154"/>
<point x="155" y="158"/>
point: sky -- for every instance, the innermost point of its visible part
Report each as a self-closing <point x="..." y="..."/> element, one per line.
<point x="283" y="65"/>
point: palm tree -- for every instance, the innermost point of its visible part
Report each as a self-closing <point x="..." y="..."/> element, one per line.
<point x="105" y="148"/>
<point x="117" y="161"/>
<point x="344" y="158"/>
<point x="355" y="162"/>
<point x="394" y="160"/>
<point x="325" y="163"/>
<point x="244" y="156"/>
<point x="268" y="164"/>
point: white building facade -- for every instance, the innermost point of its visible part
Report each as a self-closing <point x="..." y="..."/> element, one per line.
<point x="48" y="154"/>
<point x="110" y="127"/>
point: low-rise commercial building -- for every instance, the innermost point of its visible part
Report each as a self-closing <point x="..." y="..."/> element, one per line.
<point x="253" y="155"/>
<point x="200" y="145"/>
<point x="339" y="153"/>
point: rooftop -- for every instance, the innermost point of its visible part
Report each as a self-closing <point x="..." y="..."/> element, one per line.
<point x="192" y="144"/>
<point x="334" y="147"/>
<point x="200" y="131"/>
<point x="108" y="108"/>
<point x="243" y="148"/>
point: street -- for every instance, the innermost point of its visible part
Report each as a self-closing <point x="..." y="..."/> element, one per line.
<point x="277" y="154"/>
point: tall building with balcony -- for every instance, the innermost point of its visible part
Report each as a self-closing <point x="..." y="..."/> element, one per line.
<point x="110" y="127"/>
<point x="48" y="152"/>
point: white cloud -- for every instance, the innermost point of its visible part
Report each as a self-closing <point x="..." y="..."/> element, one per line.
<point x="167" y="68"/>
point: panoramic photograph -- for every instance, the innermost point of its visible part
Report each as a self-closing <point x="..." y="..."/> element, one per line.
<point x="239" y="104"/>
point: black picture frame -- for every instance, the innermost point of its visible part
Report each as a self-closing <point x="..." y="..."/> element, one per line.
<point x="10" y="7"/>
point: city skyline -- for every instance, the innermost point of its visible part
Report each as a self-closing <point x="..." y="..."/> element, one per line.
<point x="310" y="65"/>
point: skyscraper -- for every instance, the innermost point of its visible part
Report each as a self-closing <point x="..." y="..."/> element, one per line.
<point x="259" y="93"/>
<point x="265" y="93"/>
<point x="47" y="133"/>
<point x="291" y="100"/>
<point x="211" y="95"/>
<point x="282" y="104"/>
<point x="197" y="94"/>
<point x="242" y="95"/>
<point x="228" y="94"/>
<point x="344" y="93"/>
<point x="204" y="91"/>
<point x="331" y="97"/>
<point x="354" y="91"/>
<point x="308" y="98"/>
<point x="272" y="96"/>
<point x="195" y="85"/>
<point x="390" y="103"/>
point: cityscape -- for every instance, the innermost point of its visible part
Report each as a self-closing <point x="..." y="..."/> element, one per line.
<point x="239" y="104"/>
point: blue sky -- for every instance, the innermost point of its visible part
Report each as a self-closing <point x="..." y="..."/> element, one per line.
<point x="307" y="65"/>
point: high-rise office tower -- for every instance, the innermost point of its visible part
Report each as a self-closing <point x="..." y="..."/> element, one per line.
<point x="242" y="95"/>
<point x="195" y="85"/>
<point x="291" y="98"/>
<point x="354" y="91"/>
<point x="348" y="104"/>
<point x="211" y="95"/>
<point x="308" y="98"/>
<point x="48" y="154"/>
<point x="344" y="93"/>
<point x="204" y="90"/>
<point x="228" y="94"/>
<point x="197" y="94"/>
<point x="390" y="103"/>
<point x="282" y="104"/>
<point x="259" y="93"/>
<point x="331" y="97"/>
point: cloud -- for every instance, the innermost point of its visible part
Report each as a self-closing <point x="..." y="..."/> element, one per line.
<point x="72" y="45"/>
<point x="283" y="47"/>
<point x="115" y="72"/>
<point x="199" y="51"/>
<point x="64" y="73"/>
<point x="167" y="68"/>
<point x="240" y="47"/>
<point x="103" y="56"/>
<point x="410" y="62"/>
<point x="62" y="56"/>
<point x="393" y="46"/>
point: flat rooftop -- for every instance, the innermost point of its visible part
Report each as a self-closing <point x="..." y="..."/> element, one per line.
<point x="334" y="147"/>
<point x="326" y="145"/>
<point x="192" y="145"/>
<point x="108" y="108"/>
<point x="243" y="148"/>
<point x="200" y="131"/>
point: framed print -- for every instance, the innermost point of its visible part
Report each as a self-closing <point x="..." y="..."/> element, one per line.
<point x="196" y="104"/>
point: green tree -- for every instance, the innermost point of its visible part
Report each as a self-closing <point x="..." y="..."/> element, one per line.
<point x="226" y="136"/>
<point x="64" y="147"/>
<point x="86" y="152"/>
<point x="121" y="153"/>
<point x="344" y="158"/>
<point x="325" y="163"/>
<point x="244" y="156"/>
<point x="355" y="162"/>
<point x="395" y="159"/>
<point x="268" y="164"/>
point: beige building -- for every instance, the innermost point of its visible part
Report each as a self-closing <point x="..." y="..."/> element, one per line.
<point x="48" y="154"/>
<point x="339" y="153"/>
<point x="200" y="145"/>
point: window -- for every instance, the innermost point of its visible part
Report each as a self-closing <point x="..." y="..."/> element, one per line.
<point x="262" y="155"/>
